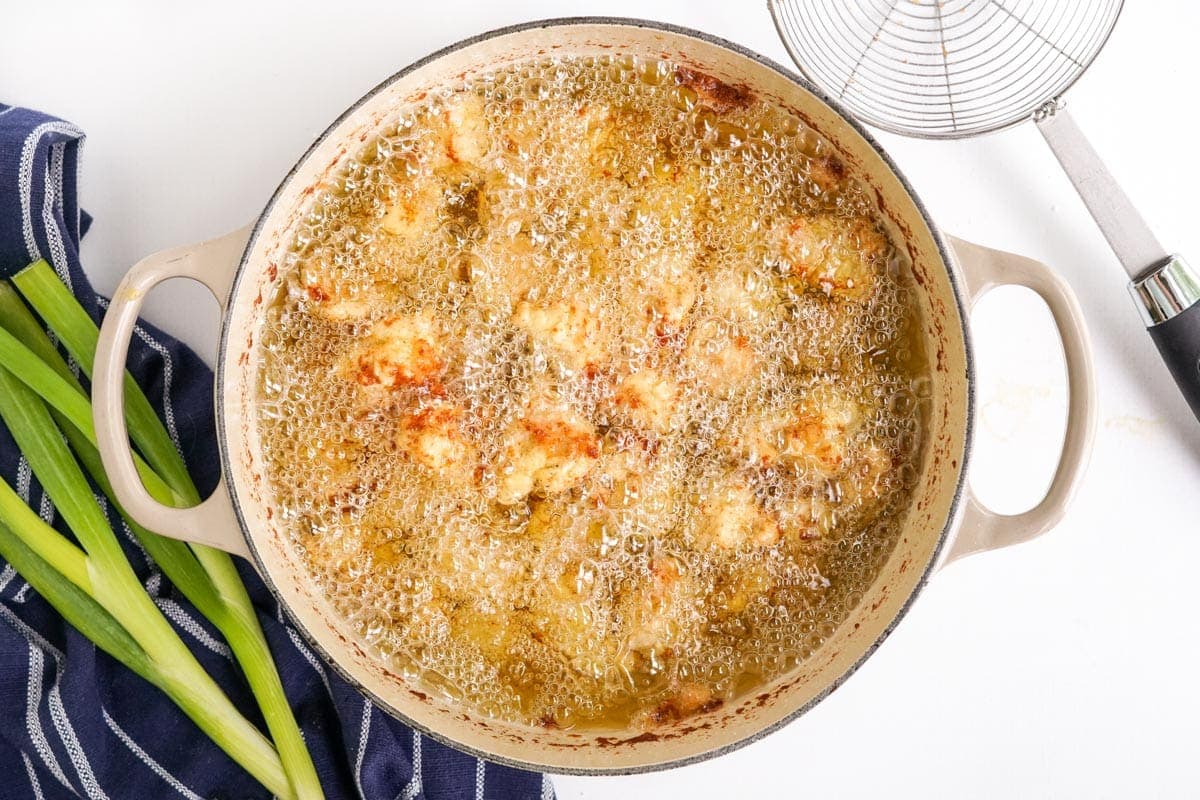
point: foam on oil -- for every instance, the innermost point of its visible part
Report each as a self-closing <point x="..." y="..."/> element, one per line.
<point x="595" y="394"/>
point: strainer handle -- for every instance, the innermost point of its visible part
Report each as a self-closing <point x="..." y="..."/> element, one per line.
<point x="1122" y="224"/>
<point x="1164" y="287"/>
<point x="212" y="263"/>
<point x="982" y="528"/>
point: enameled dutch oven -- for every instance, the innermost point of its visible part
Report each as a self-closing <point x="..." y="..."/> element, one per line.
<point x="946" y="522"/>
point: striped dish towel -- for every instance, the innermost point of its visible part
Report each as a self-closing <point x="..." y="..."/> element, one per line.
<point x="74" y="723"/>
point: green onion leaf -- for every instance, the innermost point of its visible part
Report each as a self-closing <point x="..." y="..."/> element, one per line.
<point x="206" y="576"/>
<point x="56" y="305"/>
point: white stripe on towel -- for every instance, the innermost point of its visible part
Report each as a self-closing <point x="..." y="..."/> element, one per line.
<point x="51" y="198"/>
<point x="174" y="612"/>
<point x="58" y="714"/>
<point x="128" y="533"/>
<point x="363" y="732"/>
<point x="24" y="476"/>
<point x="147" y="760"/>
<point x="6" y="576"/>
<point x="33" y="694"/>
<point x="24" y="487"/>
<point x="33" y="779"/>
<point x="308" y="654"/>
<point x="66" y="733"/>
<point x="416" y="785"/>
<point x="25" y="180"/>
<point x="46" y="509"/>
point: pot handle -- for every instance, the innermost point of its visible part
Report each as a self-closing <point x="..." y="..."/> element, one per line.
<point x="985" y="268"/>
<point x="212" y="263"/>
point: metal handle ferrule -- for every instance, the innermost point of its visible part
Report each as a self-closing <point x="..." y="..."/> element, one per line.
<point x="1168" y="289"/>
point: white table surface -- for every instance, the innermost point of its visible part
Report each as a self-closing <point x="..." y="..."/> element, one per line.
<point x="1066" y="667"/>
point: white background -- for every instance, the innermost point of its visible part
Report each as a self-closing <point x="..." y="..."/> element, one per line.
<point x="1062" y="668"/>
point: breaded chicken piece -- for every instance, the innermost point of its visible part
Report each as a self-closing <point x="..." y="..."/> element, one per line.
<point x="757" y="441"/>
<point x="807" y="516"/>
<point x="624" y="475"/>
<point x="502" y="270"/>
<point x="569" y="331"/>
<point x="548" y="520"/>
<point x="834" y="255"/>
<point x="732" y="517"/>
<point x="452" y="179"/>
<point x="662" y="229"/>
<point x="561" y="618"/>
<point x="667" y="207"/>
<point x="330" y="470"/>
<point x="464" y="135"/>
<point x="721" y="360"/>
<point x="741" y="295"/>
<point x="673" y="297"/>
<point x="817" y="431"/>
<point x="864" y="482"/>
<point x="446" y="183"/>
<point x="721" y="97"/>
<point x="399" y="352"/>
<point x="473" y="567"/>
<point x="648" y="398"/>
<point x="652" y="616"/>
<point x="585" y="138"/>
<point x="826" y="172"/>
<point x="326" y="297"/>
<point x="820" y="427"/>
<point x="339" y="557"/>
<point x="741" y="587"/>
<point x="494" y="635"/>
<point x="687" y="699"/>
<point x="546" y="451"/>
<point x="433" y="436"/>
<point x="413" y="215"/>
<point x="668" y="287"/>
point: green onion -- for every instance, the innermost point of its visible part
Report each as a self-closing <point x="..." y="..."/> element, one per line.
<point x="212" y="714"/>
<point x="172" y="556"/>
<point x="75" y="605"/>
<point x="58" y="392"/>
<point x="233" y="614"/>
<point x="55" y="548"/>
<point x="206" y="576"/>
<point x="55" y="304"/>
<point x="113" y="584"/>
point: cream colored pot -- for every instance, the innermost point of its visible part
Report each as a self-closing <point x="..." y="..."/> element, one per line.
<point x="946" y="522"/>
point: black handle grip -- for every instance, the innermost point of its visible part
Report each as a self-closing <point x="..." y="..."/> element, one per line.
<point x="1178" y="340"/>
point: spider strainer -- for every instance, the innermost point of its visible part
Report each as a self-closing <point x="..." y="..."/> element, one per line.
<point x="947" y="69"/>
<point x="944" y="69"/>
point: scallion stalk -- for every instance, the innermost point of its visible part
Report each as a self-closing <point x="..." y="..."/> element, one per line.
<point x="74" y="604"/>
<point x="206" y="576"/>
<point x="64" y="398"/>
<point x="114" y="585"/>
<point x="172" y="556"/>
<point x="55" y="304"/>
<point x="218" y="720"/>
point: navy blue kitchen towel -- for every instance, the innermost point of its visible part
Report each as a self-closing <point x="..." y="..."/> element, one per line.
<point x="77" y="724"/>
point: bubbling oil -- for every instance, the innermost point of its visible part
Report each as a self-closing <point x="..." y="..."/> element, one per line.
<point x="595" y="393"/>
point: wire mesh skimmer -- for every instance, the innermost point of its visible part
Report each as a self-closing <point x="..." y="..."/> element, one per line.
<point x="944" y="69"/>
<point x="954" y="68"/>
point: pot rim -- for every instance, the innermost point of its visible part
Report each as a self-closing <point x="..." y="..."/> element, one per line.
<point x="955" y="280"/>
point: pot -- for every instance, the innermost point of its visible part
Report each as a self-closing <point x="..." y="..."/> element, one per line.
<point x="946" y="521"/>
